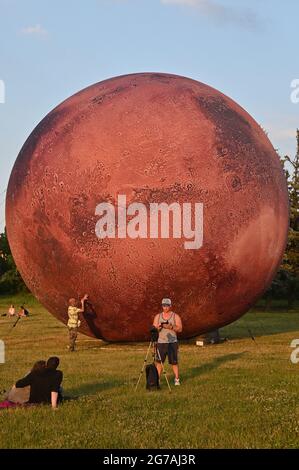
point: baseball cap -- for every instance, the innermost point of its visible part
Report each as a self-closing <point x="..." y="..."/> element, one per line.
<point x="166" y="302"/>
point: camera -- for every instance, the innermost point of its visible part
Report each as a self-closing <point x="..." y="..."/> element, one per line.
<point x="154" y="334"/>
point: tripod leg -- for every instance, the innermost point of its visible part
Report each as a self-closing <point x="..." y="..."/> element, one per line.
<point x="143" y="367"/>
<point x="162" y="366"/>
<point x="14" y="325"/>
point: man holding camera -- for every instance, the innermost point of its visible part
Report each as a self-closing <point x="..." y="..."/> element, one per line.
<point x="168" y="324"/>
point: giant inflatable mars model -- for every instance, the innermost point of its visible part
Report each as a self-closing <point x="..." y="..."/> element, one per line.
<point x="147" y="186"/>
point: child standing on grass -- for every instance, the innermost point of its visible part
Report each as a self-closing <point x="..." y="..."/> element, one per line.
<point x="74" y="322"/>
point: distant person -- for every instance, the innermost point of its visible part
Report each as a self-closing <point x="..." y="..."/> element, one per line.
<point x="11" y="311"/>
<point x="169" y="324"/>
<point x="45" y="385"/>
<point x="23" y="312"/>
<point x="74" y="321"/>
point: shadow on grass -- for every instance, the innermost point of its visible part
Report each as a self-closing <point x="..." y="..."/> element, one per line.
<point x="257" y="323"/>
<point x="208" y="367"/>
<point x="89" y="389"/>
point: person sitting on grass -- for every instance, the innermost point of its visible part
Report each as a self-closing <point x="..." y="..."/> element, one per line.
<point x="20" y="396"/>
<point x="23" y="312"/>
<point x="56" y="376"/>
<point x="12" y="311"/>
<point x="45" y="385"/>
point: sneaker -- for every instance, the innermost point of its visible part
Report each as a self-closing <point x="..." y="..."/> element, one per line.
<point x="177" y="382"/>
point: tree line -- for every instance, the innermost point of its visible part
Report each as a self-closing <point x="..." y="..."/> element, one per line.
<point x="11" y="281"/>
<point x="286" y="282"/>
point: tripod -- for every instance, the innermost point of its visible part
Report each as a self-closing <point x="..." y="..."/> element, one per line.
<point x="156" y="355"/>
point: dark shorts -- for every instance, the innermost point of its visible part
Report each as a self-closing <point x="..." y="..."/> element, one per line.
<point x="167" y="349"/>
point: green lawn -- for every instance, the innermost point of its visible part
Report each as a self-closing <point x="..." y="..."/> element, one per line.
<point x="240" y="393"/>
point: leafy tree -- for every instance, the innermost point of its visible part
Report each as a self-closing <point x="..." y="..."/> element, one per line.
<point x="10" y="279"/>
<point x="286" y="282"/>
<point x="291" y="258"/>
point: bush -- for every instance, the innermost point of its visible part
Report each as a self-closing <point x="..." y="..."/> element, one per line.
<point x="11" y="283"/>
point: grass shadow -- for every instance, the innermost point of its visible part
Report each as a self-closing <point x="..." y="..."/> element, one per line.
<point x="208" y="367"/>
<point x="89" y="389"/>
<point x="257" y="323"/>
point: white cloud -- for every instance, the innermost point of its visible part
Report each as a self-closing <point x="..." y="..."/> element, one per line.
<point x="281" y="130"/>
<point x="282" y="134"/>
<point x="37" y="30"/>
<point x="244" y="17"/>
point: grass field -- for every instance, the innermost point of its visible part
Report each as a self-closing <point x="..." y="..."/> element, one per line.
<point x="239" y="394"/>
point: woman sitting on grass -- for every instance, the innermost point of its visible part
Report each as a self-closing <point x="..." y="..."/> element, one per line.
<point x="20" y="396"/>
<point x="44" y="383"/>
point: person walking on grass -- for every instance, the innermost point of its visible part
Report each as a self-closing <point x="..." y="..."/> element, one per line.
<point x="169" y="324"/>
<point x="73" y="321"/>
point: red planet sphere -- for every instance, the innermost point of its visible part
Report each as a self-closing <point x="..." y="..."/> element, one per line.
<point x="154" y="139"/>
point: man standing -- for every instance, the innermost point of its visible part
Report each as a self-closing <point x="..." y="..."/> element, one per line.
<point x="74" y="322"/>
<point x="169" y="324"/>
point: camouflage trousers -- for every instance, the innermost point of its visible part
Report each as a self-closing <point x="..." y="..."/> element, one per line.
<point x="73" y="332"/>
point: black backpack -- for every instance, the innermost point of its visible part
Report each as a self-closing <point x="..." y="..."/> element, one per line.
<point x="152" y="377"/>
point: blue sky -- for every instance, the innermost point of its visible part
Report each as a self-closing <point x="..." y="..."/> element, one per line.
<point x="49" y="49"/>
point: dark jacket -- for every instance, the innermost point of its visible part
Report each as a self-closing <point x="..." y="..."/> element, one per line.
<point x="42" y="383"/>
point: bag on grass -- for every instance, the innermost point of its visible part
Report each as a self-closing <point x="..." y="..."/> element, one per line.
<point x="152" y="377"/>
